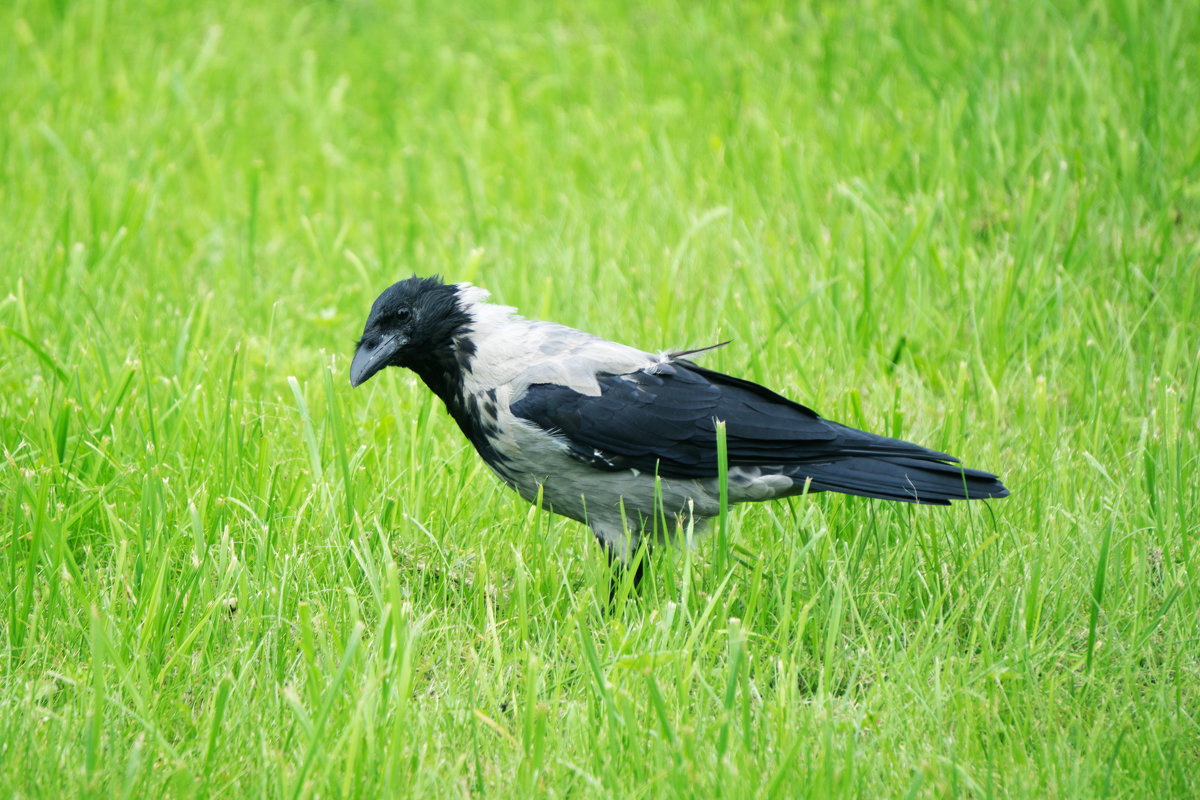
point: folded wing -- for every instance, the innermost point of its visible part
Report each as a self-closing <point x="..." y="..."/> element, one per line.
<point x="663" y="421"/>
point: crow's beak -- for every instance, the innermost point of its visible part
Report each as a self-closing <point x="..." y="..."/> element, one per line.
<point x="373" y="355"/>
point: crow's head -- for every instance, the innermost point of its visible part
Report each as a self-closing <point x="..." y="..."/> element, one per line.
<point x="412" y="324"/>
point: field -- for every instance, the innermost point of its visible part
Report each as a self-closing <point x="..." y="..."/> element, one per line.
<point x="224" y="573"/>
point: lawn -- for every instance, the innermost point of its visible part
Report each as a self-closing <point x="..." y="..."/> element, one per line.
<point x="223" y="573"/>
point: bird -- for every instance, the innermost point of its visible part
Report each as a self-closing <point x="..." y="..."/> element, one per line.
<point x="619" y="438"/>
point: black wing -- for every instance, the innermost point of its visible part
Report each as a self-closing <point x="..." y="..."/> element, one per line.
<point x="664" y="422"/>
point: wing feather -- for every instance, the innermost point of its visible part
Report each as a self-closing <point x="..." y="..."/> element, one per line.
<point x="664" y="420"/>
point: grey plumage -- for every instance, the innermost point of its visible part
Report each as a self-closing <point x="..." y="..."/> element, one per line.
<point x="592" y="424"/>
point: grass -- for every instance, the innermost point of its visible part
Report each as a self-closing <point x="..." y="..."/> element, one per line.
<point x="225" y="574"/>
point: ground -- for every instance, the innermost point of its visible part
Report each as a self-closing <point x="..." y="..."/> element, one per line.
<point x="224" y="573"/>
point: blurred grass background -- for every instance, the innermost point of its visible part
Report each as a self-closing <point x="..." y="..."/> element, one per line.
<point x="972" y="225"/>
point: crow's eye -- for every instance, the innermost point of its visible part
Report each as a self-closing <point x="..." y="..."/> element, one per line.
<point x="403" y="313"/>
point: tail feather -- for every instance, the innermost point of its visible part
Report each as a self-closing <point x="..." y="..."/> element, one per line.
<point x="904" y="479"/>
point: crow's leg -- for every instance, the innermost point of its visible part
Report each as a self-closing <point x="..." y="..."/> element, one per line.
<point x="617" y="569"/>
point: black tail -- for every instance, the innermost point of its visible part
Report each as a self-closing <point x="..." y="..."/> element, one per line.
<point x="909" y="480"/>
<point x="868" y="465"/>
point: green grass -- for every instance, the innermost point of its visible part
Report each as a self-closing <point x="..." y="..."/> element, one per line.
<point x="223" y="573"/>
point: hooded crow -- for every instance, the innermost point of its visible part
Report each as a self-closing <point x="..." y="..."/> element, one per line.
<point x="605" y="432"/>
